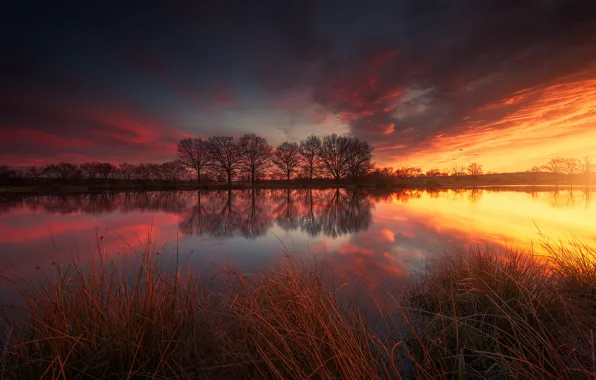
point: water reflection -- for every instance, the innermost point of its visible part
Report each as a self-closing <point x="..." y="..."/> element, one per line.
<point x="251" y="214"/>
<point x="377" y="233"/>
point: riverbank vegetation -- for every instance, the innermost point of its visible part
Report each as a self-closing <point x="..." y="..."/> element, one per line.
<point x="249" y="161"/>
<point x="480" y="314"/>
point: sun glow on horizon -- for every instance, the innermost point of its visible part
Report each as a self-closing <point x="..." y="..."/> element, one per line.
<point x="558" y="120"/>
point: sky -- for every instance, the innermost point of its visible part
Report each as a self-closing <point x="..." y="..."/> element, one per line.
<point x="434" y="83"/>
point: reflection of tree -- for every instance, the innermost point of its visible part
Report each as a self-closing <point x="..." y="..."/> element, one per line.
<point x="285" y="211"/>
<point x="226" y="214"/>
<point x="346" y="212"/>
<point x="586" y="196"/>
<point x="309" y="222"/>
<point x="93" y="203"/>
<point x="559" y="199"/>
<point x="257" y="219"/>
<point x="474" y="195"/>
<point x="332" y="212"/>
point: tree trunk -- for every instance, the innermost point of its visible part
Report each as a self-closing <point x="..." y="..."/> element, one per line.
<point x="229" y="179"/>
<point x="199" y="177"/>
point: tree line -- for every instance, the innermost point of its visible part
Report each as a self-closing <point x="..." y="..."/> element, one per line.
<point x="226" y="158"/>
<point x="569" y="166"/>
<point x="250" y="158"/>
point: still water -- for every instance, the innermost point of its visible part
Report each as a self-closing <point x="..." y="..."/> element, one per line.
<point x="381" y="235"/>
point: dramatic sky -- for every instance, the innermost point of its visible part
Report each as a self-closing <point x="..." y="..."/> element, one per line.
<point x="432" y="83"/>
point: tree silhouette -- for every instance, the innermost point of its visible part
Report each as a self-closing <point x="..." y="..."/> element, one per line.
<point x="335" y="155"/>
<point x="359" y="162"/>
<point x="226" y="155"/>
<point x="587" y="167"/>
<point x="194" y="154"/>
<point x="572" y="165"/>
<point x="556" y="166"/>
<point x="256" y="154"/>
<point x="286" y="158"/>
<point x="309" y="153"/>
<point x="474" y="169"/>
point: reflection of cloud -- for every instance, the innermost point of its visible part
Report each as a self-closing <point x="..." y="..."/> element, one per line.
<point x="377" y="234"/>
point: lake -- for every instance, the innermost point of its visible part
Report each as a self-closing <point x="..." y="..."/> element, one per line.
<point x="379" y="234"/>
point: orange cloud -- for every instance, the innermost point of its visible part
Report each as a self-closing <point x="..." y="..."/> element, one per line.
<point x="557" y="120"/>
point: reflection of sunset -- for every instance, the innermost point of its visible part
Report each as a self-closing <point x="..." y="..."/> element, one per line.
<point x="536" y="124"/>
<point x="503" y="218"/>
<point x="376" y="234"/>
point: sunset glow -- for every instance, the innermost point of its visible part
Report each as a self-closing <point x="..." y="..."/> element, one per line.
<point x="423" y="87"/>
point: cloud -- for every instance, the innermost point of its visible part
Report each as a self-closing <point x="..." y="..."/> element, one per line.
<point x="414" y="78"/>
<point x="473" y="69"/>
<point x="44" y="129"/>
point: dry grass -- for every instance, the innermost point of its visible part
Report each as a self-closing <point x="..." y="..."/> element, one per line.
<point x="493" y="315"/>
<point x="481" y="314"/>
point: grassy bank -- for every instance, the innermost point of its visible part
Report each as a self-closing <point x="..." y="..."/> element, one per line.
<point x="506" y="180"/>
<point x="481" y="314"/>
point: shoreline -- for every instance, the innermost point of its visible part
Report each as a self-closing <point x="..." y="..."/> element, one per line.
<point x="71" y="189"/>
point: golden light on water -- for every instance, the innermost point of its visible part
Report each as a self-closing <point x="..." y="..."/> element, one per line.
<point x="513" y="219"/>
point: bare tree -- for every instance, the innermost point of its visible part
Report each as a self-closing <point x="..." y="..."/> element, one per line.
<point x="105" y="170"/>
<point x="587" y="167"/>
<point x="7" y="173"/>
<point x="572" y="165"/>
<point x="256" y="154"/>
<point x="535" y="170"/>
<point x="433" y="173"/>
<point x="309" y="153"/>
<point x="360" y="156"/>
<point x="194" y="154"/>
<point x="286" y="157"/>
<point x="458" y="170"/>
<point x="34" y="172"/>
<point x="142" y="172"/>
<point x="556" y="166"/>
<point x="335" y="155"/>
<point x="171" y="170"/>
<point x="126" y="171"/>
<point x="226" y="155"/>
<point x="63" y="170"/>
<point x="475" y="169"/>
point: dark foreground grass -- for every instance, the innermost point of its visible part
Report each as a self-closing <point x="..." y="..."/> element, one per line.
<point x="480" y="314"/>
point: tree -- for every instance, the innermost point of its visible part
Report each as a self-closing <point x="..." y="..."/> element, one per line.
<point x="556" y="166"/>
<point x="572" y="165"/>
<point x="360" y="156"/>
<point x="126" y="171"/>
<point x="6" y="172"/>
<point x="105" y="170"/>
<point x="458" y="170"/>
<point x="335" y="155"/>
<point x="194" y="154"/>
<point x="226" y="155"/>
<point x="535" y="170"/>
<point x="286" y="157"/>
<point x="142" y="172"/>
<point x="171" y="170"/>
<point x="475" y="169"/>
<point x="587" y="167"/>
<point x="309" y="153"/>
<point x="256" y="154"/>
<point x="433" y="173"/>
<point x="63" y="170"/>
<point x="34" y="173"/>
